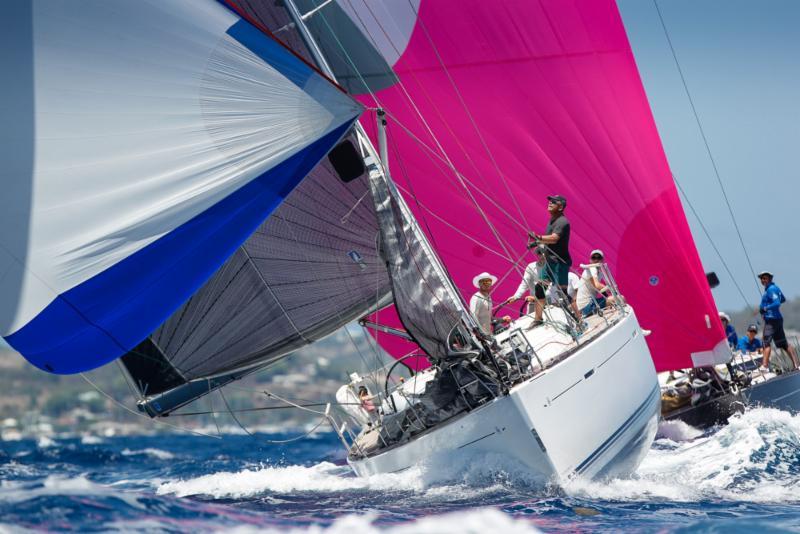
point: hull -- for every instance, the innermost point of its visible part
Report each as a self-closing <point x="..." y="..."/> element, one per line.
<point x="710" y="413"/>
<point x="594" y="414"/>
<point x="781" y="392"/>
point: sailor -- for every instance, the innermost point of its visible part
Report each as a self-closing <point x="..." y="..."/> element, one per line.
<point x="591" y="289"/>
<point x="556" y="237"/>
<point x="532" y="282"/>
<point x="770" y="310"/>
<point x="481" y="302"/>
<point x="730" y="331"/>
<point x="750" y="343"/>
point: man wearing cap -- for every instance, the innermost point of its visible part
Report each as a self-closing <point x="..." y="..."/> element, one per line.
<point x="750" y="343"/>
<point x="556" y="237"/>
<point x="770" y="310"/>
<point x="592" y="286"/>
<point x="730" y="331"/>
<point x="481" y="302"/>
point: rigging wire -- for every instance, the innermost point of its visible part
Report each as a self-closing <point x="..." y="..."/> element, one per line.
<point x="467" y="112"/>
<point x="277" y="441"/>
<point x="137" y="414"/>
<point x="713" y="245"/>
<point x="708" y="148"/>
<point x="469" y="193"/>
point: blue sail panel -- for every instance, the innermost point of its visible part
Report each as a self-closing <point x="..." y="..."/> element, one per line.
<point x="142" y="154"/>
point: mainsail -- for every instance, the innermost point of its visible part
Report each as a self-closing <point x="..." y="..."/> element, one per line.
<point x="146" y="140"/>
<point x="499" y="104"/>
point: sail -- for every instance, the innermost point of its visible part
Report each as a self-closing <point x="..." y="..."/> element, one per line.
<point x="312" y="267"/>
<point x="143" y="142"/>
<point x="426" y="302"/>
<point x="499" y="104"/>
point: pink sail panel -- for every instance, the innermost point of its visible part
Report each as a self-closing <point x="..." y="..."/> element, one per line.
<point x="532" y="98"/>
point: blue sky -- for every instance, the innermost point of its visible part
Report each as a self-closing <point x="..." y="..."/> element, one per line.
<point x="741" y="63"/>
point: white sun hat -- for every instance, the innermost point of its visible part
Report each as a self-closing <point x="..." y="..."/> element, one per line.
<point x="484" y="275"/>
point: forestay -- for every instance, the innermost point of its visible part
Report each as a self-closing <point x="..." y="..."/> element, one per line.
<point x="144" y="141"/>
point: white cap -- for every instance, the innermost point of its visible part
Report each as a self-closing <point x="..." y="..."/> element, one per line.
<point x="597" y="251"/>
<point x="723" y="315"/>
<point x="483" y="276"/>
<point x="762" y="273"/>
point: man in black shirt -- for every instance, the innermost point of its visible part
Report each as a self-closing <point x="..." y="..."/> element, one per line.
<point x="556" y="237"/>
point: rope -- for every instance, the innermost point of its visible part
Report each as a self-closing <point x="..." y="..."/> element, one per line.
<point x="277" y="441"/>
<point x="137" y="414"/>
<point x="708" y="148"/>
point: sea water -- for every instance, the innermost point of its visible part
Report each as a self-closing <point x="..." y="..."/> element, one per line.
<point x="744" y="477"/>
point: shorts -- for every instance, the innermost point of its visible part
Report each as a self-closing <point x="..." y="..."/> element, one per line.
<point x="539" y="291"/>
<point x="773" y="331"/>
<point x="593" y="307"/>
<point x="559" y="270"/>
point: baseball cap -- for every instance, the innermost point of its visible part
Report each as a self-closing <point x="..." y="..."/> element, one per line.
<point x="558" y="199"/>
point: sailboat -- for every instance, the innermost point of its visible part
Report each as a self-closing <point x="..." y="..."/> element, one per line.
<point x="490" y="117"/>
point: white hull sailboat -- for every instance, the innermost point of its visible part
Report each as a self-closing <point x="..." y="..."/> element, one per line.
<point x="490" y="120"/>
<point x="560" y="420"/>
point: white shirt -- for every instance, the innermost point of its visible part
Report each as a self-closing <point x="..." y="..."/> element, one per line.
<point x="586" y="289"/>
<point x="530" y="278"/>
<point x="572" y="288"/>
<point x="481" y="307"/>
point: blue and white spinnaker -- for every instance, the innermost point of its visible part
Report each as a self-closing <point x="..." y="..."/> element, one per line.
<point x="142" y="142"/>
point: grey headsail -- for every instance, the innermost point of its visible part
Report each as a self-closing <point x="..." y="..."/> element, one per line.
<point x="311" y="268"/>
<point x="427" y="303"/>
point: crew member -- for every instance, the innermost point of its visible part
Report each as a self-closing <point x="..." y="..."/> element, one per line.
<point x="770" y="310"/>
<point x="750" y="343"/>
<point x="556" y="237"/>
<point x="592" y="288"/>
<point x="532" y="281"/>
<point x="481" y="302"/>
<point x="730" y="331"/>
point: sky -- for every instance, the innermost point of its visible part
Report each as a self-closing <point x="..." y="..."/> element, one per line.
<point x="741" y="63"/>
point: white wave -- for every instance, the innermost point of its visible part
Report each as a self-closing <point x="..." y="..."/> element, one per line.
<point x="452" y="476"/>
<point x="45" y="442"/>
<point x="91" y="440"/>
<point x="677" y="431"/>
<point x="14" y="492"/>
<point x="473" y="521"/>
<point x="754" y="458"/>
<point x="149" y="451"/>
<point x="322" y="477"/>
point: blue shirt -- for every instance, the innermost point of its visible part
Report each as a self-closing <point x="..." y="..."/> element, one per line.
<point x="745" y="345"/>
<point x="771" y="302"/>
<point x="733" y="339"/>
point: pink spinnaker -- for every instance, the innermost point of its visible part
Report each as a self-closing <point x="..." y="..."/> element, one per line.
<point x="527" y="99"/>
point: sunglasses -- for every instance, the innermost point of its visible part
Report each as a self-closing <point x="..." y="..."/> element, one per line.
<point x="597" y="257"/>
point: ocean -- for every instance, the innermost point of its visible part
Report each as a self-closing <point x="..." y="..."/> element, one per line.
<point x="744" y="477"/>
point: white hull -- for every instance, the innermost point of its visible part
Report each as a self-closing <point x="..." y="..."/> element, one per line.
<point x="594" y="414"/>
